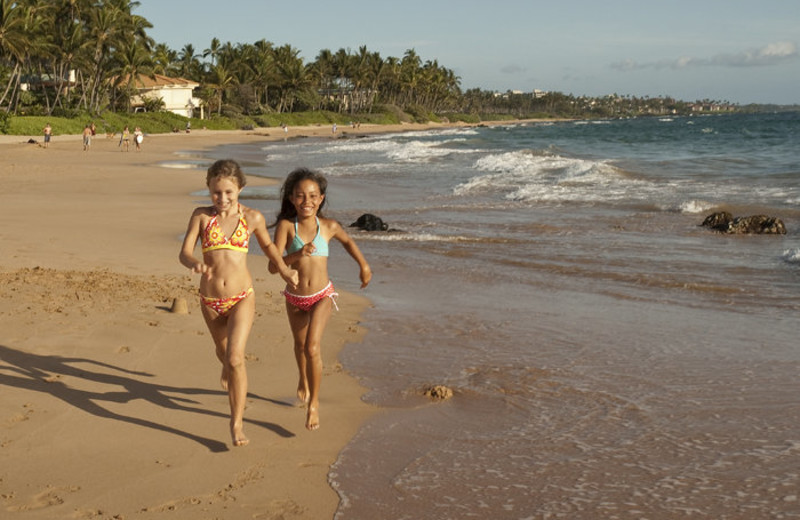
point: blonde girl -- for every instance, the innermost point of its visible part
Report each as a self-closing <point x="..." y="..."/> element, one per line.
<point x="226" y="287"/>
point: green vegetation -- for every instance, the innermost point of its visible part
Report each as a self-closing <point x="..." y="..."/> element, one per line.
<point x="71" y="61"/>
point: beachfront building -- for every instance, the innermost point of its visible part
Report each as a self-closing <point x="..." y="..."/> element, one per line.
<point x="176" y="93"/>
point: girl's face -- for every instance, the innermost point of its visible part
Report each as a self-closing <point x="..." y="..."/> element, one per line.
<point x="224" y="193"/>
<point x="306" y="198"/>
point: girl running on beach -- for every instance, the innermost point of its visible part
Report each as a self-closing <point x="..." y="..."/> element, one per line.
<point x="226" y="287"/>
<point x="303" y="233"/>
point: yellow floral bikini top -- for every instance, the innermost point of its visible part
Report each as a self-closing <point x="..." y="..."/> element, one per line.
<point x="214" y="237"/>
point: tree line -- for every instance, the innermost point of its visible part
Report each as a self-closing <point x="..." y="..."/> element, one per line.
<point x="81" y="54"/>
<point x="77" y="56"/>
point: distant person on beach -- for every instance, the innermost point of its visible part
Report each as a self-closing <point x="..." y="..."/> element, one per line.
<point x="47" y="131"/>
<point x="303" y="233"/>
<point x="125" y="139"/>
<point x="87" y="137"/>
<point x="226" y="287"/>
<point x="138" y="137"/>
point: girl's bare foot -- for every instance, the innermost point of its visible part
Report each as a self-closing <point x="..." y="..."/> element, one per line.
<point x="312" y="419"/>
<point x="237" y="436"/>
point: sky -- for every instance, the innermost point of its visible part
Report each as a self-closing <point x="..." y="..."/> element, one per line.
<point x="725" y="50"/>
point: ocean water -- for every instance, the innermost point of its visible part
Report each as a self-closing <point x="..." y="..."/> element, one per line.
<point x="609" y="357"/>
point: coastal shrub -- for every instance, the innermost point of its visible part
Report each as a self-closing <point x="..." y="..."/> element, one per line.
<point x="71" y="121"/>
<point x="394" y="112"/>
<point x="153" y="104"/>
<point x="66" y="113"/>
<point x="316" y="117"/>
<point x="539" y="115"/>
<point x="33" y="125"/>
<point x="455" y="117"/>
<point x="378" y="117"/>
<point x="419" y="114"/>
<point x="497" y="117"/>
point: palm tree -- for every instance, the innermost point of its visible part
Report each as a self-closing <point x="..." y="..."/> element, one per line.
<point x="14" y="42"/>
<point x="322" y="73"/>
<point x="292" y="76"/>
<point x="188" y="63"/>
<point x="409" y="76"/>
<point x="132" y="60"/>
<point x="219" y="80"/>
<point x="164" y="60"/>
<point x="212" y="51"/>
<point x="264" y="70"/>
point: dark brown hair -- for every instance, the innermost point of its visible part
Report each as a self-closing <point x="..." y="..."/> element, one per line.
<point x="288" y="210"/>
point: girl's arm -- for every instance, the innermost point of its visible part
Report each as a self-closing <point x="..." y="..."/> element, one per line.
<point x="276" y="263"/>
<point x="282" y="233"/>
<point x="186" y="256"/>
<point x="350" y="246"/>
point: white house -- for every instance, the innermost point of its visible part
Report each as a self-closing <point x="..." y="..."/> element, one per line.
<point x="175" y="92"/>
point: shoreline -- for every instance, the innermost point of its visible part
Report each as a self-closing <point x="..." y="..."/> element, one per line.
<point x="278" y="134"/>
<point x="111" y="403"/>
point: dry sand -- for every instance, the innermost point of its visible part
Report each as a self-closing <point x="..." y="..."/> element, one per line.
<point x="110" y="405"/>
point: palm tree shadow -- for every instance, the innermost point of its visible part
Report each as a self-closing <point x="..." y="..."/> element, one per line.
<point x="43" y="374"/>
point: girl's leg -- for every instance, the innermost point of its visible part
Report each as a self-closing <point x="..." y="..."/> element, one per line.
<point x="240" y="321"/>
<point x="218" y="327"/>
<point x="298" y="322"/>
<point x="320" y="314"/>
<point x="230" y="338"/>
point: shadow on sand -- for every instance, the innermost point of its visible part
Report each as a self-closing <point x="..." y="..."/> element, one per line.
<point x="40" y="373"/>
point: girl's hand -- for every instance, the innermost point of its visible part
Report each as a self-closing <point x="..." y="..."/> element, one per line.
<point x="291" y="278"/>
<point x="200" y="268"/>
<point x="308" y="249"/>
<point x="366" y="276"/>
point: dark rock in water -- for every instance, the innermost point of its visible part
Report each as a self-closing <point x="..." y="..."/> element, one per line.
<point x="724" y="222"/>
<point x="718" y="221"/>
<point x="369" y="222"/>
<point x="757" y="224"/>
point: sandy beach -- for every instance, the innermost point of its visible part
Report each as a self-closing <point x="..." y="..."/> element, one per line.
<point x="110" y="404"/>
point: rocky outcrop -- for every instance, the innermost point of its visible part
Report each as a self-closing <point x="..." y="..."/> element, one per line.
<point x="724" y="222"/>
<point x="369" y="222"/>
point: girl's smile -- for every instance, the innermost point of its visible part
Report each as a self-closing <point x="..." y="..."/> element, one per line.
<point x="224" y="193"/>
<point x="307" y="198"/>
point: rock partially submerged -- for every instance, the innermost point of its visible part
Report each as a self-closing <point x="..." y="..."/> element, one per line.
<point x="369" y="222"/>
<point x="724" y="222"/>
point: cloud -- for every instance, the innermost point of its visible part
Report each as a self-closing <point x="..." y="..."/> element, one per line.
<point x="771" y="54"/>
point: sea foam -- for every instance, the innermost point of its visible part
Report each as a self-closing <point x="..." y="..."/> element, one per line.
<point x="792" y="256"/>
<point x="532" y="175"/>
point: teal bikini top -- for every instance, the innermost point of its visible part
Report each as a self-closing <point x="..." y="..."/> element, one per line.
<point x="319" y="243"/>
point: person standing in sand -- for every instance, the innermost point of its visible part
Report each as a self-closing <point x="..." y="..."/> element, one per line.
<point x="47" y="131"/>
<point x="138" y="137"/>
<point x="226" y="287"/>
<point x="303" y="233"/>
<point x="125" y="139"/>
<point x="87" y="137"/>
